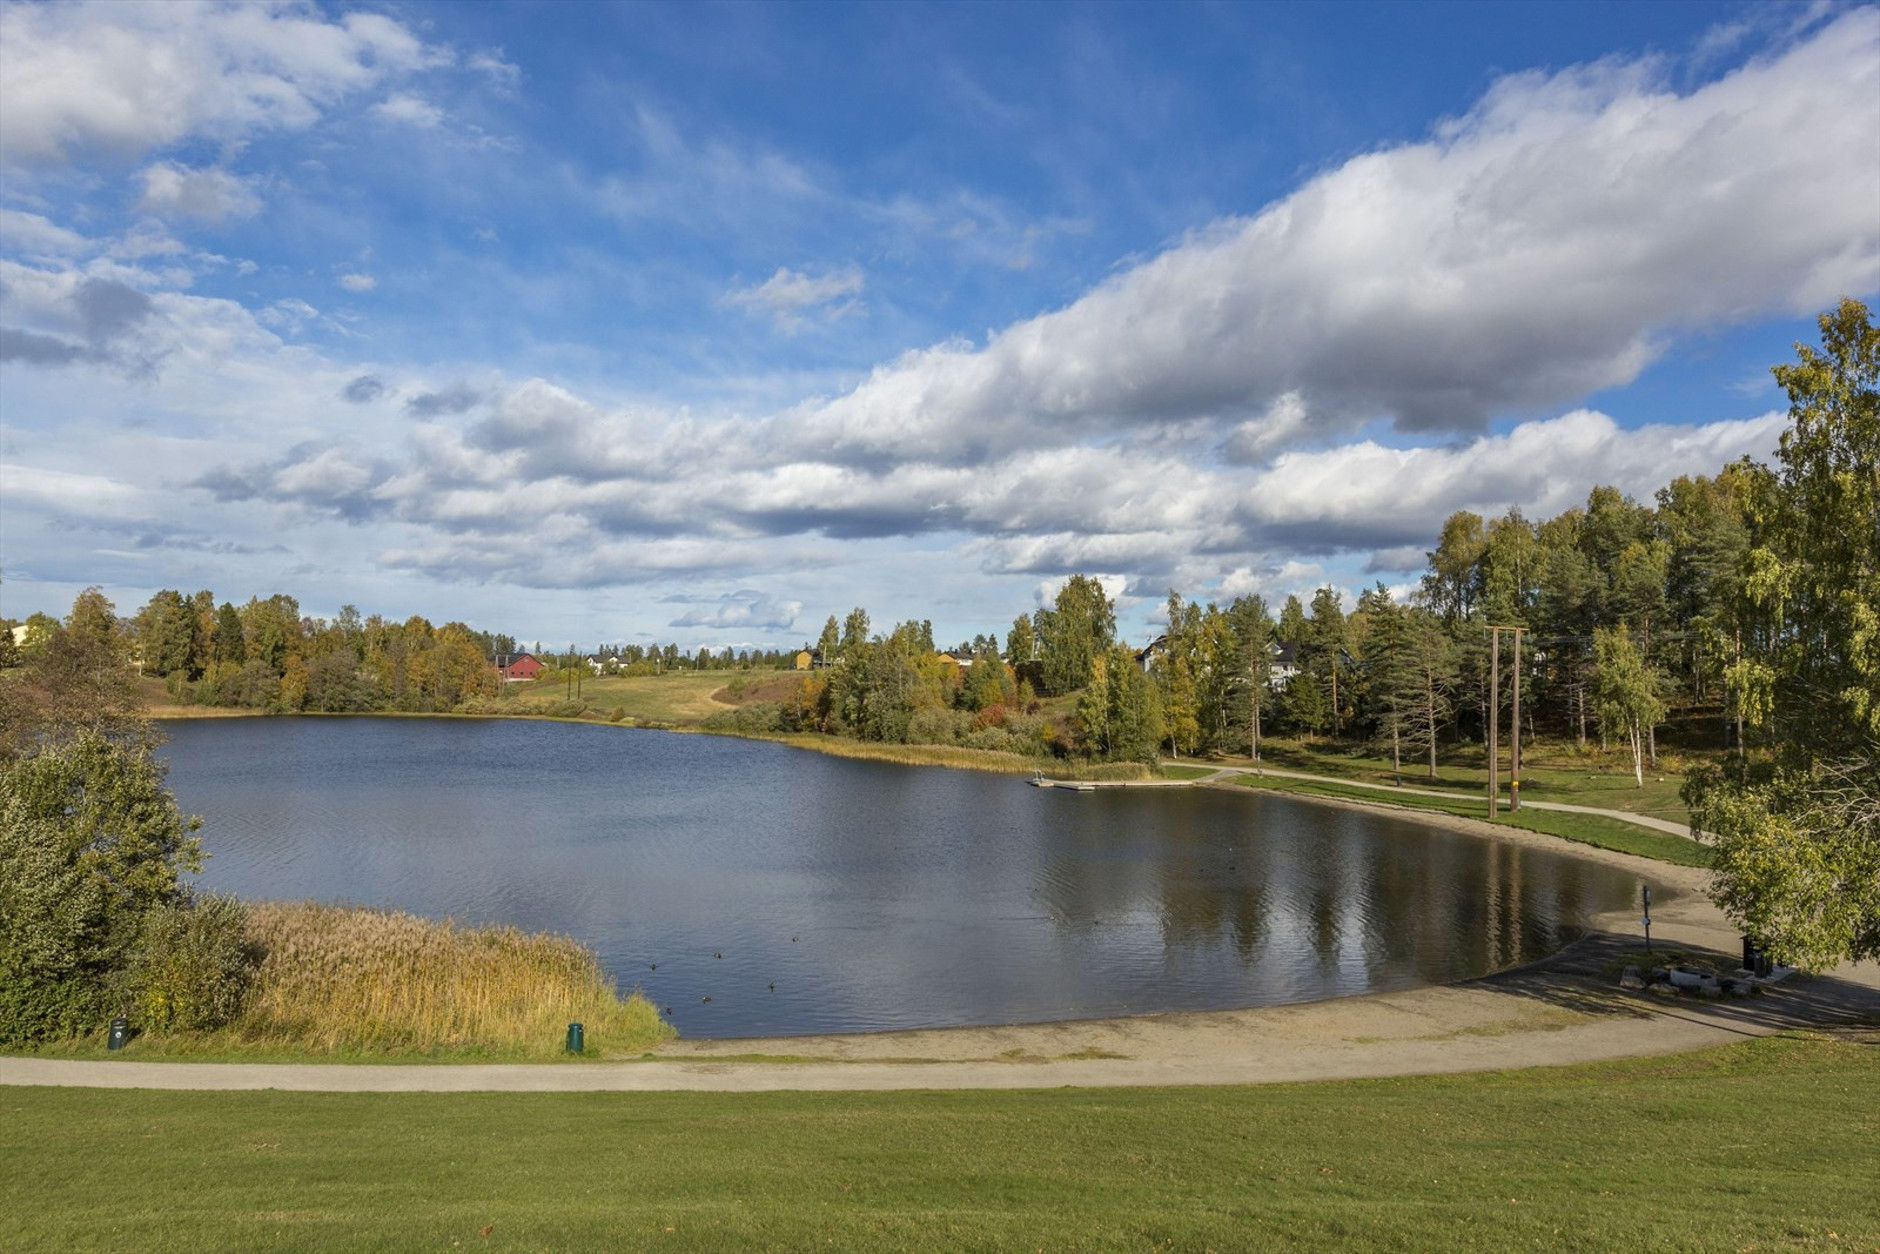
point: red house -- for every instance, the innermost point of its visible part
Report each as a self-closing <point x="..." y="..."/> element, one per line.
<point x="514" y="668"/>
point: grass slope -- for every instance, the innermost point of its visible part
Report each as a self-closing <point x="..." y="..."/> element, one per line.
<point x="1585" y="829"/>
<point x="1772" y="1143"/>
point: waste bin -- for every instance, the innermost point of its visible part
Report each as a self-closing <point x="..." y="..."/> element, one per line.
<point x="575" y="1041"/>
<point x="120" y="1033"/>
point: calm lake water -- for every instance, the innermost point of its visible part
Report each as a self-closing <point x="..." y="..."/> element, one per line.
<point x="873" y="896"/>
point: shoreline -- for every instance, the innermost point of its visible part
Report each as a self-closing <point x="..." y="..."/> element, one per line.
<point x="1555" y="1011"/>
<point x="1558" y="1010"/>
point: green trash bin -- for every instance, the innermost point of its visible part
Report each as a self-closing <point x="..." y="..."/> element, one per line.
<point x="575" y="1041"/>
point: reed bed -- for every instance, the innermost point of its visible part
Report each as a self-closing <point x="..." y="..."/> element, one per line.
<point x="349" y="980"/>
<point x="954" y="756"/>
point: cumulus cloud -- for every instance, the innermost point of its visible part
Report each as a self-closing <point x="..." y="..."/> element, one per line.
<point x="792" y="297"/>
<point x="72" y="318"/>
<point x="358" y="282"/>
<point x="409" y="110"/>
<point x="211" y="194"/>
<point x="129" y="78"/>
<point x="1539" y="247"/>
<point x="746" y="608"/>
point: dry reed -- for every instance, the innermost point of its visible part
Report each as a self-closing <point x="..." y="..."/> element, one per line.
<point x="348" y="980"/>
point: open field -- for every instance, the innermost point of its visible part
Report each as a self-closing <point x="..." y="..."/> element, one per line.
<point x="680" y="698"/>
<point x="1773" y="1143"/>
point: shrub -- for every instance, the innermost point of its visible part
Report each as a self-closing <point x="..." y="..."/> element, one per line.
<point x="937" y="726"/>
<point x="91" y="842"/>
<point x="191" y="966"/>
<point x="752" y="718"/>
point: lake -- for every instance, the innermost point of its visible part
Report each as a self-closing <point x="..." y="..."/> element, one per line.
<point x="872" y="896"/>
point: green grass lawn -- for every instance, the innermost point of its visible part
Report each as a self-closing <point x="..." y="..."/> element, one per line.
<point x="1772" y="1143"/>
<point x="1550" y="772"/>
<point x="1586" y="829"/>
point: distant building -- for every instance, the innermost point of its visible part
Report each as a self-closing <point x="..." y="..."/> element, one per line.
<point x="805" y="659"/>
<point x="515" y="668"/>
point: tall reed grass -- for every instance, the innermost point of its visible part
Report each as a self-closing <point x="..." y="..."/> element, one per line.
<point x="340" y="979"/>
<point x="958" y="757"/>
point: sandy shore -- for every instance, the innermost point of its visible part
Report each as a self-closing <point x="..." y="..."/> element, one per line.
<point x="1563" y="1010"/>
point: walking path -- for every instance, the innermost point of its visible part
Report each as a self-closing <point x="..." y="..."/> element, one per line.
<point x="1224" y="773"/>
<point x="1564" y="1010"/>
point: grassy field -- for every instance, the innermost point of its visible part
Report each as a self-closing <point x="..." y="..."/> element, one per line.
<point x="1551" y="771"/>
<point x="678" y="699"/>
<point x="1585" y="829"/>
<point x="1769" y="1144"/>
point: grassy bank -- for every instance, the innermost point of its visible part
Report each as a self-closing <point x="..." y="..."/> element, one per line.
<point x="1550" y="771"/>
<point x="1772" y="1143"/>
<point x="1585" y="829"/>
<point x="350" y="984"/>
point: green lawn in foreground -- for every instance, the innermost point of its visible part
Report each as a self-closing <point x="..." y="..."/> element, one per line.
<point x="1772" y="1143"/>
<point x="1586" y="829"/>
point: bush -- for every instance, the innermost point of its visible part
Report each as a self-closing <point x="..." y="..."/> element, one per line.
<point x="91" y="842"/>
<point x="52" y="923"/>
<point x="935" y="726"/>
<point x="752" y="718"/>
<point x="191" y="967"/>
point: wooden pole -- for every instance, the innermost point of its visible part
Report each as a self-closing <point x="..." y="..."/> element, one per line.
<point x="1514" y="759"/>
<point x="1494" y="718"/>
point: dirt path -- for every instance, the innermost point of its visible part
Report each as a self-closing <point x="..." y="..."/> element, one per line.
<point x="1560" y="1011"/>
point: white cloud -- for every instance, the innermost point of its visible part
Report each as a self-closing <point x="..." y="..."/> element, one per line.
<point x="791" y="296"/>
<point x="210" y="194"/>
<point x="1540" y="247"/>
<point x="34" y="236"/>
<point x="129" y="78"/>
<point x="409" y="110"/>
<point x="1542" y="466"/>
<point x="358" y="282"/>
<point x="745" y="608"/>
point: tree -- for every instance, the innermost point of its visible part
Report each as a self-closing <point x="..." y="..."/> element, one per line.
<point x="829" y="641"/>
<point x="1454" y="583"/>
<point x="1626" y="695"/>
<point x="1119" y="711"/>
<point x="1798" y="828"/>
<point x="1080" y="625"/>
<point x="1021" y="643"/>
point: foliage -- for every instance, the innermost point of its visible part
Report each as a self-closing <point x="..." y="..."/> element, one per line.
<point x="1079" y="626"/>
<point x="1627" y="695"/>
<point x="1798" y="834"/>
<point x="1119" y="711"/>
<point x="191" y="967"/>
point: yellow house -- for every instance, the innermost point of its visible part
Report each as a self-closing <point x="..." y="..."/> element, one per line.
<point x="803" y="660"/>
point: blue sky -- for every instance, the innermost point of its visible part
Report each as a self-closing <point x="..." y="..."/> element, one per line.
<point x="602" y="323"/>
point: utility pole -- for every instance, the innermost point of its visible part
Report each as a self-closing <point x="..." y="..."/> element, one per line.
<point x="1514" y="761"/>
<point x="1494" y="718"/>
<point x="1494" y="721"/>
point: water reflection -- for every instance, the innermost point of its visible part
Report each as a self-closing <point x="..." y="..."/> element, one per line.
<point x="871" y="896"/>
